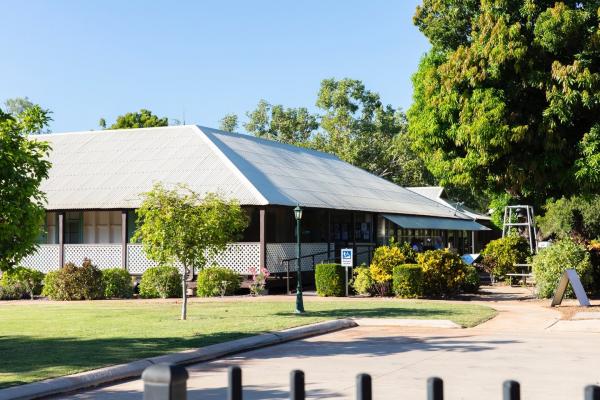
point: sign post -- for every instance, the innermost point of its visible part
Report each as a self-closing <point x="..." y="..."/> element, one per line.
<point x="347" y="259"/>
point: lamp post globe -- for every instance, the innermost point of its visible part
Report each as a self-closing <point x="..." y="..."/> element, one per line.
<point x="299" y="301"/>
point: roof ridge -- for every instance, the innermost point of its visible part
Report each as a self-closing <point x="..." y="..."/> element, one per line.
<point x="245" y="181"/>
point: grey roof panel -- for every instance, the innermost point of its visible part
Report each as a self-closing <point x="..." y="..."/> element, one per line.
<point x="111" y="168"/>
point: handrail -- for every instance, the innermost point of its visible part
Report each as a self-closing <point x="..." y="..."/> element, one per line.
<point x="287" y="260"/>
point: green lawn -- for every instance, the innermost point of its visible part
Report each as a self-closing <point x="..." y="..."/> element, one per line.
<point x="47" y="339"/>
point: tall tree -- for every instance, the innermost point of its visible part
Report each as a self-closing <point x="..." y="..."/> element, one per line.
<point x="506" y="100"/>
<point x="229" y="123"/>
<point x="16" y="106"/>
<point x="356" y="126"/>
<point x="287" y="125"/>
<point x="23" y="166"/>
<point x="141" y="119"/>
<point x="180" y="225"/>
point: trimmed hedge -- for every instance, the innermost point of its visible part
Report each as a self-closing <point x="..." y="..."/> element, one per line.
<point x="117" y="283"/>
<point x="210" y="282"/>
<point x="385" y="258"/>
<point x="74" y="283"/>
<point x="408" y="281"/>
<point x="20" y="281"/>
<point x="163" y="282"/>
<point x="330" y="280"/>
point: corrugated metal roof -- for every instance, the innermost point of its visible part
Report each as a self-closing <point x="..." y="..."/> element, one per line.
<point x="290" y="175"/>
<point x="420" y="222"/>
<point x="435" y="193"/>
<point x="109" y="169"/>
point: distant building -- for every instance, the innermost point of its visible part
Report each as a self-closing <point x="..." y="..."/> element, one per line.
<point x="97" y="177"/>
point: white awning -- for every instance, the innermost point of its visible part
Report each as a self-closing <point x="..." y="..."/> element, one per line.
<point x="419" y="222"/>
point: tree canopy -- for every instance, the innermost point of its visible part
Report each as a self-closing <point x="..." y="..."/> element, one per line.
<point x="23" y="166"/>
<point x="506" y="100"/>
<point x="140" y="119"/>
<point x="180" y="225"/>
<point x="229" y="123"/>
<point x="351" y="123"/>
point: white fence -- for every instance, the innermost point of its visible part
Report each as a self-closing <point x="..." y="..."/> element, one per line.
<point x="240" y="257"/>
<point x="45" y="258"/>
<point x="102" y="255"/>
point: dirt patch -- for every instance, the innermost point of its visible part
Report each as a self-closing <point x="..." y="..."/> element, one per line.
<point x="568" y="311"/>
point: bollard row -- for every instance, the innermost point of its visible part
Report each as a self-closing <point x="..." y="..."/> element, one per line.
<point x="168" y="382"/>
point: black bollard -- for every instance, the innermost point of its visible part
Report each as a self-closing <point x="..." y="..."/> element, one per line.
<point x="165" y="382"/>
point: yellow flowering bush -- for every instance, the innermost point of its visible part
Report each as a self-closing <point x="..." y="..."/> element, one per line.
<point x="443" y="273"/>
<point x="385" y="259"/>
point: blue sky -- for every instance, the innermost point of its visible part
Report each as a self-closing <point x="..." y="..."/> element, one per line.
<point x="85" y="60"/>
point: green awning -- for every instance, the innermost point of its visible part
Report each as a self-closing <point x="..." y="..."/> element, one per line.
<point x="420" y="222"/>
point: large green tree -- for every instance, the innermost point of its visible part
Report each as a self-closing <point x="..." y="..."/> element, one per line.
<point x="507" y="99"/>
<point x="229" y="123"/>
<point x="179" y="224"/>
<point x="353" y="124"/>
<point x="23" y="166"/>
<point x="140" y="119"/>
<point x="287" y="125"/>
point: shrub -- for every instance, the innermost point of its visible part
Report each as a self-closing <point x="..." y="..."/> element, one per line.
<point x="117" y="283"/>
<point x="410" y="256"/>
<point x="74" y="283"/>
<point x="500" y="255"/>
<point x="550" y="263"/>
<point x="163" y="282"/>
<point x="259" y="281"/>
<point x="443" y="272"/>
<point x="594" y="249"/>
<point x="472" y="280"/>
<point x="362" y="282"/>
<point x="48" y="290"/>
<point x="408" y="281"/>
<point x="12" y="291"/>
<point x="27" y="280"/>
<point x="217" y="281"/>
<point x="384" y="260"/>
<point x="330" y="280"/>
<point x="577" y="217"/>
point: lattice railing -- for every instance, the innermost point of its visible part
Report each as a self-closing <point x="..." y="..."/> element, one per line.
<point x="276" y="252"/>
<point x="102" y="255"/>
<point x="240" y="257"/>
<point x="44" y="259"/>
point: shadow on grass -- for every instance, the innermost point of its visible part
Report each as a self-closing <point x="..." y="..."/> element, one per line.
<point x="383" y="312"/>
<point x="34" y="358"/>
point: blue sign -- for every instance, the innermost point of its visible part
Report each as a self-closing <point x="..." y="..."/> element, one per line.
<point x="347" y="257"/>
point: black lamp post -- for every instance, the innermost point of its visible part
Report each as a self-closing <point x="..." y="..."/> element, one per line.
<point x="299" y="302"/>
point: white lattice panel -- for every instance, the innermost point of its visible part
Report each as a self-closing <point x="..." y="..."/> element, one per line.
<point x="44" y="259"/>
<point x="239" y="257"/>
<point x="276" y="252"/>
<point x="102" y="255"/>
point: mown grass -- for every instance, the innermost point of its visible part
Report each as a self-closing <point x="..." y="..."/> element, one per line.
<point x="40" y="340"/>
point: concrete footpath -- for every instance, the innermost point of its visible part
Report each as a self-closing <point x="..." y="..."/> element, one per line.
<point x="517" y="344"/>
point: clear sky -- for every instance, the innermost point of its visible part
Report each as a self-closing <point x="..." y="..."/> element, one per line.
<point x="90" y="59"/>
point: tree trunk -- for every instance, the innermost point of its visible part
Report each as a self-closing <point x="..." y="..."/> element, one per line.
<point x="184" y="287"/>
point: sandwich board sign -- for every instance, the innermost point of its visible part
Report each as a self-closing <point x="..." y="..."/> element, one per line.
<point x="347" y="261"/>
<point x="570" y="275"/>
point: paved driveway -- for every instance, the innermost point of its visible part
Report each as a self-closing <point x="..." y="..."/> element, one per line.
<point x="473" y="362"/>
